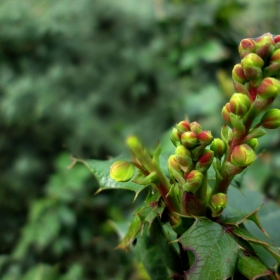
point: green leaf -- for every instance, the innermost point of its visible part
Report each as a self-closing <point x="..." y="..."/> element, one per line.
<point x="101" y="171"/>
<point x="215" y="251"/>
<point x="157" y="253"/>
<point x="251" y="266"/>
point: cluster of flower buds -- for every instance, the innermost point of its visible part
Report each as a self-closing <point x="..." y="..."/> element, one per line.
<point x="191" y="159"/>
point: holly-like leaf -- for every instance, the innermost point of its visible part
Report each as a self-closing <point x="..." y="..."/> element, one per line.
<point x="101" y="171"/>
<point x="214" y="249"/>
<point x="251" y="266"/>
<point x="157" y="253"/>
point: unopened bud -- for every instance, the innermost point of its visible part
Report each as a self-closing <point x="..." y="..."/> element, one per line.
<point x="265" y="45"/>
<point x="226" y="113"/>
<point x="183" y="156"/>
<point x="174" y="137"/>
<point x="253" y="143"/>
<point x="238" y="74"/>
<point x="218" y="203"/>
<point x="183" y="126"/>
<point x="218" y="146"/>
<point x="193" y="181"/>
<point x="205" y="138"/>
<point x="195" y="127"/>
<point x="271" y="119"/>
<point x="275" y="57"/>
<point x="122" y="171"/>
<point x="239" y="104"/>
<point x="246" y="47"/>
<point x="268" y="88"/>
<point x="205" y="161"/>
<point x="243" y="155"/>
<point x="173" y="163"/>
<point x="189" y="139"/>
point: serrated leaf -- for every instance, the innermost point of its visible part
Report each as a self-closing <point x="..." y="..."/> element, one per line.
<point x="251" y="266"/>
<point x="157" y="253"/>
<point x="214" y="249"/>
<point x="134" y="228"/>
<point x="101" y="171"/>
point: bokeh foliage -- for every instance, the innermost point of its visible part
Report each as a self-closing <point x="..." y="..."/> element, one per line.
<point x="77" y="77"/>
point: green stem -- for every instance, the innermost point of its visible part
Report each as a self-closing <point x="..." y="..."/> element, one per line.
<point x="163" y="186"/>
<point x="202" y="191"/>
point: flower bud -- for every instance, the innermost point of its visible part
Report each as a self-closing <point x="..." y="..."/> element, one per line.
<point x="273" y="70"/>
<point x="193" y="181"/>
<point x="265" y="45"/>
<point x="276" y="39"/>
<point x="268" y="88"/>
<point x="243" y="155"/>
<point x="183" y="126"/>
<point x="174" y="137"/>
<point x="205" y="138"/>
<point x="271" y="119"/>
<point x="205" y="161"/>
<point x="189" y="139"/>
<point x="218" y="146"/>
<point x="218" y="203"/>
<point x="183" y="156"/>
<point x="239" y="104"/>
<point x="275" y="57"/>
<point x="173" y="163"/>
<point x="226" y="113"/>
<point x="122" y="171"/>
<point x="238" y="74"/>
<point x="246" y="46"/>
<point x="253" y="143"/>
<point x="195" y="127"/>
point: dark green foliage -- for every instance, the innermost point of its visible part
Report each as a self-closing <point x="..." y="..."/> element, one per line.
<point x="78" y="77"/>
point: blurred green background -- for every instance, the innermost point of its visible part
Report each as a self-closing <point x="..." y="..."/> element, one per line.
<point x="77" y="77"/>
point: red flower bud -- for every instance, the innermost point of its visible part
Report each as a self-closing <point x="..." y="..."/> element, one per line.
<point x="189" y="139"/>
<point x="205" y="161"/>
<point x="195" y="127"/>
<point x="238" y="74"/>
<point x="122" y="171"/>
<point x="246" y="47"/>
<point x="239" y="104"/>
<point x="275" y="57"/>
<point x="276" y="39"/>
<point x="226" y="113"/>
<point x="183" y="156"/>
<point x="243" y="155"/>
<point x="205" y="138"/>
<point x="268" y="88"/>
<point x="265" y="45"/>
<point x="194" y="180"/>
<point x="271" y="119"/>
<point x="183" y="126"/>
<point x="218" y="146"/>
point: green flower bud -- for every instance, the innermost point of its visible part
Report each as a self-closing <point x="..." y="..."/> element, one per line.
<point x="173" y="163"/>
<point x="238" y="74"/>
<point x="205" y="161"/>
<point x="243" y="155"/>
<point x="252" y="64"/>
<point x="265" y="45"/>
<point x="226" y="113"/>
<point x="253" y="143"/>
<point x="183" y="156"/>
<point x="246" y="47"/>
<point x="183" y="126"/>
<point x="175" y="137"/>
<point x="205" y="138"/>
<point x="275" y="57"/>
<point x="193" y="181"/>
<point x="218" y="203"/>
<point x="122" y="171"/>
<point x="273" y="70"/>
<point x="195" y="127"/>
<point x="239" y="104"/>
<point x="189" y="139"/>
<point x="218" y="146"/>
<point x="268" y="88"/>
<point x="242" y="88"/>
<point x="271" y="119"/>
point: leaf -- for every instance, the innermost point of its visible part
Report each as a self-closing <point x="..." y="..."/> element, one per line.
<point x="251" y="266"/>
<point x="214" y="249"/>
<point x="157" y="253"/>
<point x="101" y="170"/>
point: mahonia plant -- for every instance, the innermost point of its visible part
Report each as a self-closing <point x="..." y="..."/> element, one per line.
<point x="211" y="240"/>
